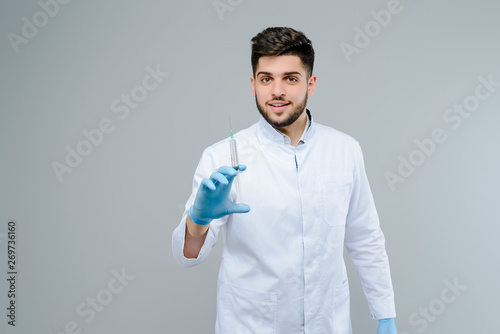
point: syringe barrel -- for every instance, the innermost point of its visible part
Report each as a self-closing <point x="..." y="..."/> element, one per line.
<point x="234" y="154"/>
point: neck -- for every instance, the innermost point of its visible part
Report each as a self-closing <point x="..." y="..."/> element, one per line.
<point x="295" y="130"/>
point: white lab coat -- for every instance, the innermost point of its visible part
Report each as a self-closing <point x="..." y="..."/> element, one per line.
<point x="282" y="268"/>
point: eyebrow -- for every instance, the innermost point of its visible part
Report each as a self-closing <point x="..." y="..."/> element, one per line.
<point x="286" y="73"/>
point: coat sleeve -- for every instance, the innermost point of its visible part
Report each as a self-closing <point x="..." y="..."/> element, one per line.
<point x="365" y="244"/>
<point x="206" y="167"/>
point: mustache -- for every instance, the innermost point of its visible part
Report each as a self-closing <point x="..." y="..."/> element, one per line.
<point x="279" y="99"/>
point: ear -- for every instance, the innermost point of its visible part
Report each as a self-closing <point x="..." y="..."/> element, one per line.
<point x="311" y="85"/>
<point x="252" y="81"/>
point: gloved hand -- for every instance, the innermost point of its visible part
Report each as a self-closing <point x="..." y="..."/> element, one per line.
<point x="212" y="199"/>
<point x="387" y="326"/>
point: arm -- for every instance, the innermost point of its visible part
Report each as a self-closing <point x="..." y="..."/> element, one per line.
<point x="191" y="246"/>
<point x="365" y="244"/>
<point x="194" y="239"/>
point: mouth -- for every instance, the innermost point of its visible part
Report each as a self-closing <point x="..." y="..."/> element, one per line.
<point x="278" y="106"/>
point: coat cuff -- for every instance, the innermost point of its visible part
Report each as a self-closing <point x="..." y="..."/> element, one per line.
<point x="382" y="309"/>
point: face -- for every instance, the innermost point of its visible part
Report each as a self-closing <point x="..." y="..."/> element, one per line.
<point x="281" y="88"/>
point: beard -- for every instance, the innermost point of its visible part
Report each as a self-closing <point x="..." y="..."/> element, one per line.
<point x="292" y="117"/>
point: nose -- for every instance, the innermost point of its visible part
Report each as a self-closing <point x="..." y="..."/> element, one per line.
<point x="278" y="88"/>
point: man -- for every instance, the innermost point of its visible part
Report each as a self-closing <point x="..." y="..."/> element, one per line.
<point x="282" y="268"/>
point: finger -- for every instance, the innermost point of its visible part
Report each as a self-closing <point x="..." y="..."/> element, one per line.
<point x="242" y="167"/>
<point x="219" y="178"/>
<point x="208" y="183"/>
<point x="237" y="208"/>
<point x="226" y="170"/>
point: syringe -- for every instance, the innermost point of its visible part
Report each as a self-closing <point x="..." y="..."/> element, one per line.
<point x="235" y="164"/>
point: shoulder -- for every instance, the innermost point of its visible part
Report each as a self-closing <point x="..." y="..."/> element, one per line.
<point x="330" y="134"/>
<point x="341" y="146"/>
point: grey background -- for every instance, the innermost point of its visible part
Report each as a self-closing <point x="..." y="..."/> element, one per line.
<point x="118" y="208"/>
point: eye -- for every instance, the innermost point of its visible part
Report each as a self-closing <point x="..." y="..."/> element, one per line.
<point x="265" y="79"/>
<point x="291" y="79"/>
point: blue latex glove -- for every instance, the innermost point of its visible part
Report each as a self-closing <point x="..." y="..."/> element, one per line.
<point x="212" y="199"/>
<point x="387" y="326"/>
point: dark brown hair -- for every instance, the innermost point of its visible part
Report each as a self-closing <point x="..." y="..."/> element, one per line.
<point x="282" y="41"/>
